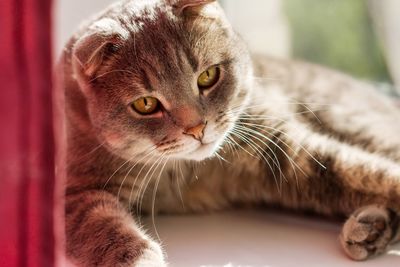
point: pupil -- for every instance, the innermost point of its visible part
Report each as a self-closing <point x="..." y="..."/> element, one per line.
<point x="145" y="101"/>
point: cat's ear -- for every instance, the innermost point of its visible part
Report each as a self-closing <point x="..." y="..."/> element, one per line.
<point x="191" y="7"/>
<point x="91" y="51"/>
<point x="96" y="46"/>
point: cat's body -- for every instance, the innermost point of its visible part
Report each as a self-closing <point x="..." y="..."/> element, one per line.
<point x="292" y="135"/>
<point x="300" y="125"/>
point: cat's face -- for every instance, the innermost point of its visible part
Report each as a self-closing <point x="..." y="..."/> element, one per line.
<point x="162" y="78"/>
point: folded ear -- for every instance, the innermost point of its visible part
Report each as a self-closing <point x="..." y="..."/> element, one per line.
<point x="189" y="6"/>
<point x="96" y="46"/>
<point x="91" y="51"/>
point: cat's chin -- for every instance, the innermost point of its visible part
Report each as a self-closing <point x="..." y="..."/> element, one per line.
<point x="203" y="152"/>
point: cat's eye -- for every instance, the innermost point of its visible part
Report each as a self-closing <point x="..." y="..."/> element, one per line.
<point x="209" y="78"/>
<point x="146" y="105"/>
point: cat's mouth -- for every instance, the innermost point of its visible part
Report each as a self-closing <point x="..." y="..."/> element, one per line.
<point x="203" y="151"/>
<point x="205" y="146"/>
<point x="198" y="151"/>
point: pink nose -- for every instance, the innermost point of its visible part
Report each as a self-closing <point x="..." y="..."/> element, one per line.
<point x="197" y="132"/>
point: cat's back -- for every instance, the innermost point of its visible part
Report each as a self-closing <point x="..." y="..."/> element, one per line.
<point x="332" y="103"/>
<point x="312" y="83"/>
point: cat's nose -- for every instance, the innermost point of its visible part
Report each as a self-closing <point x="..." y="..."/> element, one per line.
<point x="197" y="132"/>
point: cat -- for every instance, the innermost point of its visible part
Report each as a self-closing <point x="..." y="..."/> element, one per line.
<point x="168" y="112"/>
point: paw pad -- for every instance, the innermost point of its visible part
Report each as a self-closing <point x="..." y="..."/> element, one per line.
<point x="366" y="233"/>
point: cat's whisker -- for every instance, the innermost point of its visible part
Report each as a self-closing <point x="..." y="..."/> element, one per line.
<point x="281" y="175"/>
<point x="267" y="104"/>
<point x="195" y="167"/>
<point x="249" y="118"/>
<point x="312" y="112"/>
<point x="153" y="202"/>
<point x="116" y="171"/>
<point x="257" y="149"/>
<point x="232" y="146"/>
<point x="144" y="185"/>
<point x="254" y="134"/>
<point x="146" y="181"/>
<point x="136" y="179"/>
<point x="238" y="145"/>
<point x="261" y="117"/>
<point x="245" y="128"/>
<point x="133" y="185"/>
<point x="131" y="169"/>
<point x="126" y="162"/>
<point x="261" y="127"/>
<point x="288" y="115"/>
<point x="221" y="158"/>
<point x="243" y="114"/>
<point x="293" y="164"/>
<point x="179" y="184"/>
<point x="270" y="119"/>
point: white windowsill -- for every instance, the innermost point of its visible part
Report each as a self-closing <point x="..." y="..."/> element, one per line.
<point x="257" y="239"/>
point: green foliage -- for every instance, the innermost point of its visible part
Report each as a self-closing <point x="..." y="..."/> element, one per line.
<point x="337" y="33"/>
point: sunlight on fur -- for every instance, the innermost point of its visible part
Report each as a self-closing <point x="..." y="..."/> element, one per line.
<point x="394" y="252"/>
<point x="167" y="112"/>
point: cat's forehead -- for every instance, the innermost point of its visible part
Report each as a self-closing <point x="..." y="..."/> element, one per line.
<point x="151" y="29"/>
<point x="134" y="18"/>
<point x="139" y="12"/>
<point x="156" y="43"/>
<point x="130" y="16"/>
<point x="135" y="15"/>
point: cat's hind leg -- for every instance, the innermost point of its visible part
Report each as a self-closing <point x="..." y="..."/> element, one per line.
<point x="369" y="231"/>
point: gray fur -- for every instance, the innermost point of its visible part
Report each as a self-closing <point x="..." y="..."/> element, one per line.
<point x="280" y="133"/>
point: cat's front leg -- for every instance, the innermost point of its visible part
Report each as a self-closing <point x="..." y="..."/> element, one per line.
<point x="369" y="231"/>
<point x="100" y="232"/>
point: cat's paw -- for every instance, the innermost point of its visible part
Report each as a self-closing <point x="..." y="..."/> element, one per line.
<point x="367" y="232"/>
<point x="117" y="247"/>
<point x="152" y="256"/>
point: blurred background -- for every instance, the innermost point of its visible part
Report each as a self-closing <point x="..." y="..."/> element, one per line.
<point x="359" y="37"/>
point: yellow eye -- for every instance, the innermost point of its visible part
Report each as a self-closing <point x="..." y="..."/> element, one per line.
<point x="209" y="78"/>
<point x="146" y="105"/>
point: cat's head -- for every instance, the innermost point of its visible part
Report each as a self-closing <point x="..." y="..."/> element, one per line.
<point x="162" y="78"/>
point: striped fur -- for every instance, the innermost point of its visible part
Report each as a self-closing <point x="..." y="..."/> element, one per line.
<point x="279" y="133"/>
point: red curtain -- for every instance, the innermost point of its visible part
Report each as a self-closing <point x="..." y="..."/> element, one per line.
<point x="29" y="214"/>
